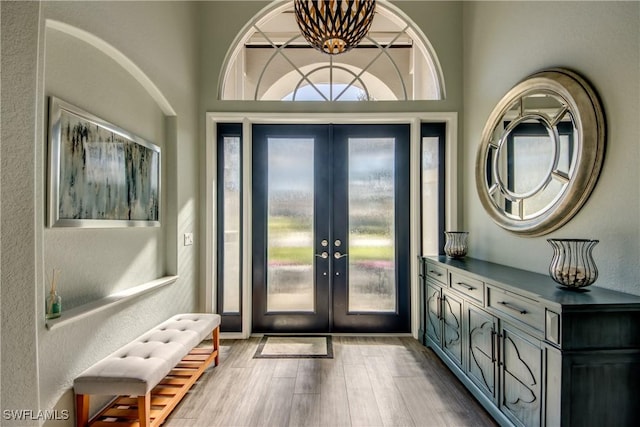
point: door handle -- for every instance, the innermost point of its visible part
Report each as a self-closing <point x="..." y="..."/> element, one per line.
<point x="323" y="255"/>
<point x="338" y="255"/>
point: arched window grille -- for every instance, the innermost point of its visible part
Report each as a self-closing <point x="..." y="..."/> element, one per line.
<point x="271" y="60"/>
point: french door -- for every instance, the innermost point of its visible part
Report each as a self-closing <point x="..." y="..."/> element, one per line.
<point x="331" y="228"/>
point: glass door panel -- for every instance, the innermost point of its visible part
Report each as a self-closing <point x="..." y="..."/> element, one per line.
<point x="372" y="284"/>
<point x="290" y="283"/>
<point x="290" y="225"/>
<point x="370" y="215"/>
<point x="430" y="195"/>
<point x="331" y="228"/>
<point x="229" y="226"/>
<point x="432" y="187"/>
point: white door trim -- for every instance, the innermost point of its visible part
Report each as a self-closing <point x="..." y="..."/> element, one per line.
<point x="248" y="119"/>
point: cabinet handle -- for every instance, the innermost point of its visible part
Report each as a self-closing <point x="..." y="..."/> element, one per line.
<point x="435" y="272"/>
<point x="439" y="313"/>
<point x="469" y="287"/>
<point x="493" y="346"/>
<point x="512" y="307"/>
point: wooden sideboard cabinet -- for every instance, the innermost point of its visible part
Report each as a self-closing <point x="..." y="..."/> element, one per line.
<point x="532" y="353"/>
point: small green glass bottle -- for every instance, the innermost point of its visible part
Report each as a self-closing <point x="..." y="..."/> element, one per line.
<point x="54" y="305"/>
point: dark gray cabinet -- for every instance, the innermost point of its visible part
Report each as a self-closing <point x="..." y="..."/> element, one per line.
<point x="452" y="326"/>
<point x="433" y="306"/>
<point x="482" y="358"/>
<point x="422" y="298"/>
<point x="531" y="353"/>
<point x="444" y="321"/>
<point x="521" y="377"/>
<point x="505" y="364"/>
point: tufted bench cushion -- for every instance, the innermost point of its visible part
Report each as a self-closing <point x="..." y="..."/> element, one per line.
<point x="139" y="366"/>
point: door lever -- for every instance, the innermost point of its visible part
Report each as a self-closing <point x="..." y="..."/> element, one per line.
<point x="338" y="255"/>
<point x="323" y="255"/>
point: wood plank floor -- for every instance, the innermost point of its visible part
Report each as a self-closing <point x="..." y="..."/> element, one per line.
<point x="371" y="381"/>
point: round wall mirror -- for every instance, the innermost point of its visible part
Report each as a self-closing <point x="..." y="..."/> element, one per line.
<point x="541" y="152"/>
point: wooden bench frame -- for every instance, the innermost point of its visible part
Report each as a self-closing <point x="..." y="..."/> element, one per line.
<point x="152" y="409"/>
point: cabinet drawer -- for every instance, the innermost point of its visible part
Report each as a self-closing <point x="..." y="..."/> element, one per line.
<point x="472" y="288"/>
<point x="436" y="272"/>
<point x="517" y="307"/>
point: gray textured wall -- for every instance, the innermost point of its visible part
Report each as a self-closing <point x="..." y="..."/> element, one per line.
<point x="38" y="365"/>
<point x="506" y="41"/>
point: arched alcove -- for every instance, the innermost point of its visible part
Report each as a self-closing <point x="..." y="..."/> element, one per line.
<point x="119" y="57"/>
<point x="112" y="87"/>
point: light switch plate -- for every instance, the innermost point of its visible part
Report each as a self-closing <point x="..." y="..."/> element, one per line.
<point x="188" y="239"/>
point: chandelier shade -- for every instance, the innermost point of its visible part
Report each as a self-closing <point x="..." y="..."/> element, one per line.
<point x="334" y="26"/>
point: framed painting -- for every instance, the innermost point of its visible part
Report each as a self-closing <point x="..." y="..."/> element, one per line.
<point x="100" y="175"/>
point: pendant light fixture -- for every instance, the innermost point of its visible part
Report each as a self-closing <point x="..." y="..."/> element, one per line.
<point x="334" y="26"/>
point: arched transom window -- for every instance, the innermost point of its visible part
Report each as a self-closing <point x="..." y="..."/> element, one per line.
<point x="270" y="60"/>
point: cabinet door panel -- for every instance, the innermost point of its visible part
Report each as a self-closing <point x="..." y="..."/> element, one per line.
<point x="521" y="376"/>
<point x="481" y="359"/>
<point x="452" y="327"/>
<point x="433" y="312"/>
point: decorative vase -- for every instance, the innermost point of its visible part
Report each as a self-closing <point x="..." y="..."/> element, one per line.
<point x="456" y="243"/>
<point x="572" y="265"/>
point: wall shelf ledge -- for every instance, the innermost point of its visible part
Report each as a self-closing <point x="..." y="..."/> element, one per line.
<point x="88" y="309"/>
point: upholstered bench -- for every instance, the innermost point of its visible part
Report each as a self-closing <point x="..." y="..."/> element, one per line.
<point x="151" y="374"/>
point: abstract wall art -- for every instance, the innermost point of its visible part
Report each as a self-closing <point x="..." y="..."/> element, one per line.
<point x="99" y="174"/>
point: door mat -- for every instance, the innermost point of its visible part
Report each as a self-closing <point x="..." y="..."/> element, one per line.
<point x="294" y="347"/>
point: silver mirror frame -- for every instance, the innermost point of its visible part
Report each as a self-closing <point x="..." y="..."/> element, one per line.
<point x="589" y="121"/>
